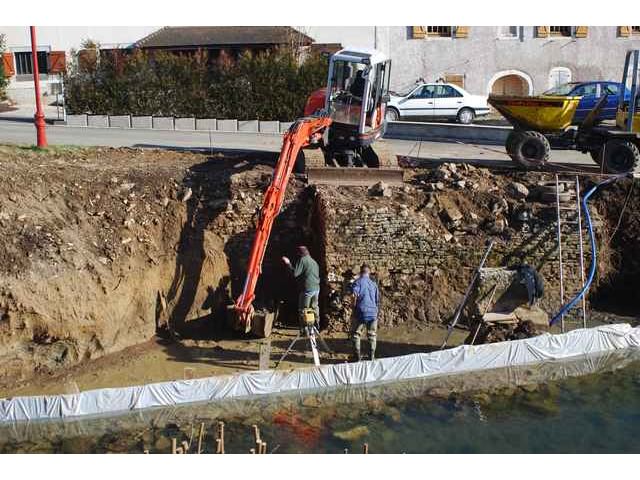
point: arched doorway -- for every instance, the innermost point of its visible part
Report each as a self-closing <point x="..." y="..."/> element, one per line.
<point x="510" y="82"/>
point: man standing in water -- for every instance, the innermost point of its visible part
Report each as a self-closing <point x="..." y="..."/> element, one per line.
<point x="307" y="274"/>
<point x="365" y="311"/>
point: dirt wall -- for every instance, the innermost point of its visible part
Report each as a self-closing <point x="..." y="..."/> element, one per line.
<point x="101" y="247"/>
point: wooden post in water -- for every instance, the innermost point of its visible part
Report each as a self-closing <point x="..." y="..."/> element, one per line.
<point x="365" y="448"/>
<point x="221" y="436"/>
<point x="256" y="438"/>
<point x="200" y="437"/>
<point x="174" y="450"/>
<point x="185" y="446"/>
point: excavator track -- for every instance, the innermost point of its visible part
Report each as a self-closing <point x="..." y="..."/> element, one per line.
<point x="389" y="171"/>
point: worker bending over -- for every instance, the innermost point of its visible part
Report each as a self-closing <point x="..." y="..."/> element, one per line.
<point x="365" y="311"/>
<point x="307" y="274"/>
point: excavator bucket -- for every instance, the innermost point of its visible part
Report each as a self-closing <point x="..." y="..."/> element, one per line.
<point x="388" y="172"/>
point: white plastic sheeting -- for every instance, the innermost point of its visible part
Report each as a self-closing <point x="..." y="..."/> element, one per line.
<point x="464" y="358"/>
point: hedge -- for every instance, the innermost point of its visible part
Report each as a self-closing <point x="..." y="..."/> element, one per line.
<point x="271" y="85"/>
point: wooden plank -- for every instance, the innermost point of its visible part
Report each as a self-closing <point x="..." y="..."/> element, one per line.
<point x="497" y="317"/>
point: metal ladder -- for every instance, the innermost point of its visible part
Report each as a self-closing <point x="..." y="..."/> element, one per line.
<point x="574" y="212"/>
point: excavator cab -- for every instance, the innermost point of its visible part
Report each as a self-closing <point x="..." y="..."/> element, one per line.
<point x="628" y="114"/>
<point x="354" y="100"/>
<point x="356" y="96"/>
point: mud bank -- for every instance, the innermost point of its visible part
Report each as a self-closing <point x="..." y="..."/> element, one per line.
<point x="101" y="249"/>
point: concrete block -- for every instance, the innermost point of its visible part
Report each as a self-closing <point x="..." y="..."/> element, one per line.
<point x="120" y="121"/>
<point x="206" y="124"/>
<point x="228" y="125"/>
<point x="77" y="120"/>
<point x="269" y="126"/>
<point x="188" y="123"/>
<point x="98" y="121"/>
<point x="141" y="122"/>
<point x="162" y="123"/>
<point x="284" y="126"/>
<point x="248" y="126"/>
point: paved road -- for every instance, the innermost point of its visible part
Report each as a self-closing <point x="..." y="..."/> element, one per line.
<point x="21" y="132"/>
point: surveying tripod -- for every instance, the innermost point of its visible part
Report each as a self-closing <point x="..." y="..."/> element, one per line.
<point x="310" y="331"/>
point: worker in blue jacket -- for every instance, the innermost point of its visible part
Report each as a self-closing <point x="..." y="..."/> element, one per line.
<point x="365" y="311"/>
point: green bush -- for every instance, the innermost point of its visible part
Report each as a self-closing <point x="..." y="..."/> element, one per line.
<point x="271" y="85"/>
<point x="4" y="81"/>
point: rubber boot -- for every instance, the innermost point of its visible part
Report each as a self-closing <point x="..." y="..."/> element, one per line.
<point x="372" y="348"/>
<point x="356" y="348"/>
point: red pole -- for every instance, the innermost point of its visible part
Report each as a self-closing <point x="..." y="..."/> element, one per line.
<point x="39" y="116"/>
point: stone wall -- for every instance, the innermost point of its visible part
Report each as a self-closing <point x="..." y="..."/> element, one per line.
<point x="424" y="245"/>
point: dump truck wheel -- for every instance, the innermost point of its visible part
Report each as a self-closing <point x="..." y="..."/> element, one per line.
<point x="510" y="139"/>
<point x="530" y="149"/>
<point x="620" y="156"/>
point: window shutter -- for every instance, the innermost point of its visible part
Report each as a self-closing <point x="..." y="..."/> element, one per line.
<point x="581" y="32"/>
<point x="57" y="62"/>
<point x="455" y="78"/>
<point x="542" y="32"/>
<point x="462" y="32"/>
<point x="418" y="32"/>
<point x="624" y="31"/>
<point x="7" y="63"/>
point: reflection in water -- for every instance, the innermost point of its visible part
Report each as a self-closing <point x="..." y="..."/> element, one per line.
<point x="589" y="404"/>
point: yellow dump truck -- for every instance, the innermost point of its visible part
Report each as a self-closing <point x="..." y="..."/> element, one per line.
<point x="542" y="121"/>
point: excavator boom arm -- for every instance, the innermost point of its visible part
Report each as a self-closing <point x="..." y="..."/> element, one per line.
<point x="297" y="137"/>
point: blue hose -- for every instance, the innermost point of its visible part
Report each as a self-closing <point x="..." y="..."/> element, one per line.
<point x="592" y="267"/>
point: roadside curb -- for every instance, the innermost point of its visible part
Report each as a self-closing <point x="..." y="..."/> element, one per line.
<point x="440" y="132"/>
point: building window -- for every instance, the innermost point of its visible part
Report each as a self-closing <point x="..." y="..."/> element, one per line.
<point x="438" y="31"/>
<point x="560" y="31"/>
<point x="24" y="65"/>
<point x="508" y="32"/>
<point x="559" y="76"/>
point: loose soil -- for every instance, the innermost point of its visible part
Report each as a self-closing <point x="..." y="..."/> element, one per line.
<point x="104" y="251"/>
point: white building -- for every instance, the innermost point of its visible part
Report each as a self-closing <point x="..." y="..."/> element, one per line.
<point x="55" y="39"/>
<point x="500" y="59"/>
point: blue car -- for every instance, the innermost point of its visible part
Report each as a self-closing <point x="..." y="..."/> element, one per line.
<point x="591" y="93"/>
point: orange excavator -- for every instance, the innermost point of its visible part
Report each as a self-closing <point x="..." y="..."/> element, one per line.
<point x="342" y="123"/>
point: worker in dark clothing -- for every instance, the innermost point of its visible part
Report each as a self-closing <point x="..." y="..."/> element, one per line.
<point x="307" y="274"/>
<point x="533" y="282"/>
<point x="357" y="87"/>
<point x="365" y="311"/>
